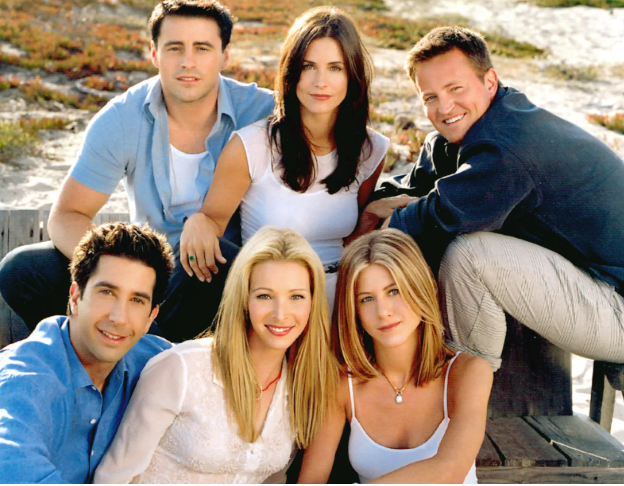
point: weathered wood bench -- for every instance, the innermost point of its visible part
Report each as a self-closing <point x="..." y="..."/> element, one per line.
<point x="531" y="435"/>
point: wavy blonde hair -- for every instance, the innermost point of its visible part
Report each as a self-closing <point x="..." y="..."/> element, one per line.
<point x="312" y="370"/>
<point x="397" y="252"/>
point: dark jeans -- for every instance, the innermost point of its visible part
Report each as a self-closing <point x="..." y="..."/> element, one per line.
<point x="35" y="281"/>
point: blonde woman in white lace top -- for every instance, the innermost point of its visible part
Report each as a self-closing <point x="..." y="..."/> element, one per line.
<point x="231" y="407"/>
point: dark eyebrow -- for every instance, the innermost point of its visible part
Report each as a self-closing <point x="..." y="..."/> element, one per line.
<point x="111" y="286"/>
<point x="180" y="43"/>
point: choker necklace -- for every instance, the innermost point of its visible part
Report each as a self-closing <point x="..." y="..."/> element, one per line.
<point x="267" y="387"/>
<point x="398" y="391"/>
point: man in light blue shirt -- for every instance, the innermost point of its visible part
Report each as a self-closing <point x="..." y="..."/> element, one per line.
<point x="162" y="138"/>
<point x="64" y="389"/>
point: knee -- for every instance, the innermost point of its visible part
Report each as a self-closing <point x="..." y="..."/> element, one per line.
<point x="11" y="266"/>
<point x="464" y="255"/>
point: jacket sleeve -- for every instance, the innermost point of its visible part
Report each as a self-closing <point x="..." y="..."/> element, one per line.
<point x="486" y="188"/>
<point x="28" y="429"/>
<point x="423" y="176"/>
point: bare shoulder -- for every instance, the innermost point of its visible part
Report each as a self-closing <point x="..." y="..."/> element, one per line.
<point x="470" y="371"/>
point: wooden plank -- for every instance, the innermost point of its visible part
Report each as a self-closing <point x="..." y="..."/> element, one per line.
<point x="4" y="233"/>
<point x="45" y="215"/>
<point x="520" y="445"/>
<point x="534" y="379"/>
<point x="602" y="402"/>
<point x="488" y="455"/>
<point x="23" y="227"/>
<point x="550" y="475"/>
<point x="584" y="442"/>
<point x="102" y="218"/>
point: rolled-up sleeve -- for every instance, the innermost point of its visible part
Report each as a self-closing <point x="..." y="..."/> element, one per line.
<point x="102" y="160"/>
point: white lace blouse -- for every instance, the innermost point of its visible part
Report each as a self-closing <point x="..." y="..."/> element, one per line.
<point x="177" y="428"/>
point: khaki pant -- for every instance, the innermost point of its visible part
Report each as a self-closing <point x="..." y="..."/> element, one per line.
<point x="485" y="275"/>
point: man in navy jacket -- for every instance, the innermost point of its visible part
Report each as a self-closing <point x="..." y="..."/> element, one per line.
<point x="521" y="211"/>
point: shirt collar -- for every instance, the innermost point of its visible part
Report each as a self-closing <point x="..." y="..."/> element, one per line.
<point x="154" y="101"/>
<point x="225" y="104"/>
<point x="79" y="376"/>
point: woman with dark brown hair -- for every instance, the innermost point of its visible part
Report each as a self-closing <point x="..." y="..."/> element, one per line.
<point x="313" y="164"/>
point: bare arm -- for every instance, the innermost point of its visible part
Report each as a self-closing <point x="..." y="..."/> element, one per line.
<point x="470" y="382"/>
<point x="376" y="211"/>
<point x="318" y="458"/>
<point x="72" y="214"/>
<point x="202" y="230"/>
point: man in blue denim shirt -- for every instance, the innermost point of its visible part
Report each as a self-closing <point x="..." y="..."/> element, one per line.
<point x="64" y="389"/>
<point x="521" y="211"/>
<point x="162" y="138"/>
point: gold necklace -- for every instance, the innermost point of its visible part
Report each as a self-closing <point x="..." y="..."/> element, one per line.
<point x="399" y="391"/>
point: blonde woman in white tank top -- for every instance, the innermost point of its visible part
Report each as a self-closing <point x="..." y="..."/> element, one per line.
<point x="417" y="410"/>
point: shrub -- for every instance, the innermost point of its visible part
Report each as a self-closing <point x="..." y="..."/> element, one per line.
<point x="20" y="134"/>
<point x="613" y="122"/>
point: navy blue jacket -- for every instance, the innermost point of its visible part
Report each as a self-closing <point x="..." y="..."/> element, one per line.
<point x="524" y="172"/>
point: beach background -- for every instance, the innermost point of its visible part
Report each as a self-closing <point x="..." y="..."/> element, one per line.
<point x="60" y="60"/>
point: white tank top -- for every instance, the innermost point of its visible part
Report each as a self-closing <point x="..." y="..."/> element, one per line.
<point x="321" y="218"/>
<point x="372" y="460"/>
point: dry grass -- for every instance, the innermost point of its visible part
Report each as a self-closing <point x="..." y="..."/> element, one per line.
<point x="572" y="73"/>
<point x="613" y="122"/>
<point x="14" y="136"/>
<point x="606" y="4"/>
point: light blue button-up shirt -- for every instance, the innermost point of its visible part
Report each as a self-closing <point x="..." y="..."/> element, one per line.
<point x="129" y="139"/>
<point x="55" y="425"/>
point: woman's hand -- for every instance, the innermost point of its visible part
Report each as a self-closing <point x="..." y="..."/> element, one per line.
<point x="377" y="211"/>
<point x="383" y="208"/>
<point x="199" y="247"/>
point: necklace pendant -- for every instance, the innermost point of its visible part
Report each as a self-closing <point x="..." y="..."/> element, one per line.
<point x="399" y="399"/>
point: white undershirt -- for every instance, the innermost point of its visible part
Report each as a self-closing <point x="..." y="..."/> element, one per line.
<point x="183" y="170"/>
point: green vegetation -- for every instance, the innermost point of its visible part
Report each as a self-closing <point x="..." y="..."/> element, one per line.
<point x="17" y="135"/>
<point x="412" y="138"/>
<point x="35" y="90"/>
<point x="572" y="73"/>
<point x="613" y="122"/>
<point x="572" y="3"/>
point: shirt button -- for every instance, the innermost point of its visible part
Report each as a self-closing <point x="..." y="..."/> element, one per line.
<point x="92" y="421"/>
<point x="92" y="453"/>
<point x="93" y="387"/>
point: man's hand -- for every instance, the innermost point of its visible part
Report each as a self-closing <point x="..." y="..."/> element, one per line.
<point x="199" y="247"/>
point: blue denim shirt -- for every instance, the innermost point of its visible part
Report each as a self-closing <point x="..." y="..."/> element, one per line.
<point x="55" y="425"/>
<point x="129" y="139"/>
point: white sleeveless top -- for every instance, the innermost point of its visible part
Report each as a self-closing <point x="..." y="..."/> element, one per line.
<point x="321" y="218"/>
<point x="372" y="460"/>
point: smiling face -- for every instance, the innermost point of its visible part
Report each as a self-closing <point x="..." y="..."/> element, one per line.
<point x="383" y="313"/>
<point x="453" y="95"/>
<point x="324" y="80"/>
<point x="113" y="312"/>
<point x="279" y="304"/>
<point x="189" y="57"/>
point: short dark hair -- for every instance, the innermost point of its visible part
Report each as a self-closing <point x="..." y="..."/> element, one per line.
<point x="444" y="39"/>
<point x="138" y="243"/>
<point x="207" y="9"/>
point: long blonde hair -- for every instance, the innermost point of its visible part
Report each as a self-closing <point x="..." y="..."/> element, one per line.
<point x="312" y="370"/>
<point x="397" y="252"/>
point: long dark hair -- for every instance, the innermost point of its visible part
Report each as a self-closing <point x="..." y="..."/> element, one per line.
<point x="286" y="130"/>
